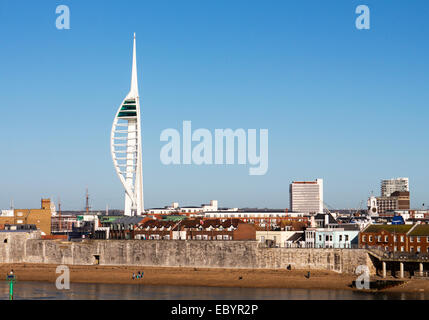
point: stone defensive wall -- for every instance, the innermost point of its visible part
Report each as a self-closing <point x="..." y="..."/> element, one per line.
<point x="26" y="248"/>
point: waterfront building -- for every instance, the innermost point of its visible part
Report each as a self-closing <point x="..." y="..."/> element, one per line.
<point x="126" y="146"/>
<point x="392" y="238"/>
<point x="306" y="196"/>
<point x="418" y="239"/>
<point x="392" y="185"/>
<point x="344" y="236"/>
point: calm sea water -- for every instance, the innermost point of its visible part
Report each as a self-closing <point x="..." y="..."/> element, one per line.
<point x="48" y="291"/>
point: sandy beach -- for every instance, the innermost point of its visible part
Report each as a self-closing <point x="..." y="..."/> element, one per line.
<point x="248" y="278"/>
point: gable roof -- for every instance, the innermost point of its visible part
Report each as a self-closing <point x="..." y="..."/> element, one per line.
<point x="321" y="216"/>
<point x="400" y="228"/>
<point x="420" y="230"/>
<point x="297" y="236"/>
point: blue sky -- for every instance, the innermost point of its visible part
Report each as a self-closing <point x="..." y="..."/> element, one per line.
<point x="346" y="105"/>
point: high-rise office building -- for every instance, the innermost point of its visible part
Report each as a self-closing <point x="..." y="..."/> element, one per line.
<point x="126" y="146"/>
<point x="392" y="185"/>
<point x="306" y="196"/>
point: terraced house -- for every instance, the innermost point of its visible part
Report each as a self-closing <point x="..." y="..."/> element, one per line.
<point x="195" y="229"/>
<point x="396" y="238"/>
<point x="418" y="239"/>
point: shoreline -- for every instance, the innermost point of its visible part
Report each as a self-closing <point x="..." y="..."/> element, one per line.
<point x="202" y="277"/>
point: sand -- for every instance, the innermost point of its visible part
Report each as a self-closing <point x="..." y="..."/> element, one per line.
<point x="249" y="278"/>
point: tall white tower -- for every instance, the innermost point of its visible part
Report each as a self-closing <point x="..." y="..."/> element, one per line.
<point x="126" y="146"/>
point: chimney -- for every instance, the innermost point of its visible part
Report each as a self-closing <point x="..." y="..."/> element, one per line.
<point x="312" y="222"/>
<point x="326" y="220"/>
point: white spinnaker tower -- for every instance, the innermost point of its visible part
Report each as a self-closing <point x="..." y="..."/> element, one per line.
<point x="126" y="146"/>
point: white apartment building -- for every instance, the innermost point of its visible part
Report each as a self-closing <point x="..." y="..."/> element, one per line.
<point x="175" y="208"/>
<point x="393" y="185"/>
<point x="306" y="196"/>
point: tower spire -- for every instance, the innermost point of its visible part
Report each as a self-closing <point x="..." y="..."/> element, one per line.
<point x="134" y="92"/>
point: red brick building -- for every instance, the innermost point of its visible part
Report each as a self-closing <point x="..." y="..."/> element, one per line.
<point x="390" y="238"/>
<point x="396" y="238"/>
<point x="418" y="239"/>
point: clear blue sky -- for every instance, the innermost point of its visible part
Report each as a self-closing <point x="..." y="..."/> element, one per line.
<point x="346" y="105"/>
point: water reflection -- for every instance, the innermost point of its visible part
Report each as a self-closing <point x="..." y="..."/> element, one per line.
<point x="47" y="291"/>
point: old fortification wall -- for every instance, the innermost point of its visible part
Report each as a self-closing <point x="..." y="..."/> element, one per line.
<point x="20" y="248"/>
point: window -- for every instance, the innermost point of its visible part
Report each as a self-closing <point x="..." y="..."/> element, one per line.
<point x="395" y="238"/>
<point x="370" y="238"/>
<point x="395" y="249"/>
<point x="341" y="237"/>
<point x="347" y="237"/>
<point x="320" y="237"/>
<point x="402" y="248"/>
<point x="386" y="238"/>
<point x="330" y="238"/>
<point x="411" y="239"/>
<point x="379" y="238"/>
<point x="418" y="239"/>
<point x="327" y="238"/>
<point x="411" y="249"/>
<point x="363" y="238"/>
<point x="402" y="238"/>
<point x="418" y="249"/>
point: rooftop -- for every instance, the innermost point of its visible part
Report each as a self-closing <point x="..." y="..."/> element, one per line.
<point x="401" y="228"/>
<point x="420" y="230"/>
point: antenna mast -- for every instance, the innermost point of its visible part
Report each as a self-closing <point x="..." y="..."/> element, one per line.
<point x="59" y="214"/>
<point x="87" y="202"/>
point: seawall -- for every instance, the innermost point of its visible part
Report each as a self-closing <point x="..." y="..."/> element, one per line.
<point x="25" y="248"/>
